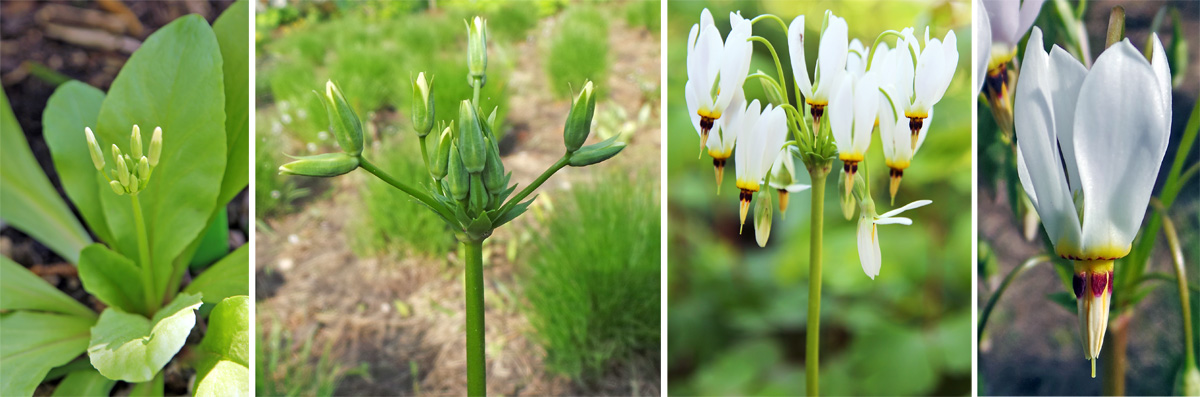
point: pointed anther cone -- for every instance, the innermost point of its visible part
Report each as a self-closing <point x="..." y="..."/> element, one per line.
<point x="744" y="204"/>
<point x="1092" y="284"/>
<point x="719" y="166"/>
<point x="849" y="168"/>
<point x="705" y="127"/>
<point x="783" y="203"/>
<point x="914" y="125"/>
<point x="894" y="185"/>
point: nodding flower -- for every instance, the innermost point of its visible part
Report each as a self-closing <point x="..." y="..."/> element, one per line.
<point x="868" y="237"/>
<point x="1089" y="146"/>
<point x="762" y="139"/>
<point x="715" y="70"/>
<point x="831" y="62"/>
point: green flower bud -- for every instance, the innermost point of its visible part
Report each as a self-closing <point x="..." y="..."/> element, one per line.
<point x="771" y="90"/>
<point x="135" y="185"/>
<point x="122" y="172"/>
<point x="143" y="168"/>
<point x="321" y="165"/>
<point x="762" y="218"/>
<point x="344" y="123"/>
<point x="595" y="153"/>
<point x="478" y="195"/>
<point x="849" y="203"/>
<point x="437" y="165"/>
<point x="135" y="142"/>
<point x="155" y="146"/>
<point x="422" y="108"/>
<point x="116" y="187"/>
<point x="477" y="47"/>
<point x="579" y="121"/>
<point x="493" y="173"/>
<point x="94" y="149"/>
<point x="457" y="176"/>
<point x="471" y="145"/>
<point x="492" y="121"/>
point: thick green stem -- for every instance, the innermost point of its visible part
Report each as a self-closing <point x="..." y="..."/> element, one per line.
<point x="144" y="256"/>
<point x="562" y="162"/>
<point x="476" y="381"/>
<point x="417" y="194"/>
<point x="812" y="347"/>
<point x="476" y="84"/>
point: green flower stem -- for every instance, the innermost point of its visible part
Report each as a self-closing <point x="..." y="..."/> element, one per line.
<point x="778" y="66"/>
<point x="425" y="155"/>
<point x="476" y="84"/>
<point x="992" y="300"/>
<point x="476" y="381"/>
<point x="784" y="26"/>
<point x="144" y="256"/>
<point x="417" y="194"/>
<point x="558" y="165"/>
<point x="812" y="347"/>
<point x="878" y="39"/>
<point x="1181" y="277"/>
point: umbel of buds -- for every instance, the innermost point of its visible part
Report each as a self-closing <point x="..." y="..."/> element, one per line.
<point x="131" y="171"/>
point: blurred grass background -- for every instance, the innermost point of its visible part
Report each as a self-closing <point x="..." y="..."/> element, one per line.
<point x="737" y="312"/>
<point x="590" y="294"/>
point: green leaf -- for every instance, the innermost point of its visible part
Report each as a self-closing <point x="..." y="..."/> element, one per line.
<point x="33" y="343"/>
<point x="152" y="388"/>
<point x="214" y="243"/>
<point x="73" y="106"/>
<point x="225" y="371"/>
<point x="131" y="348"/>
<point x="173" y="81"/>
<point x="1064" y="299"/>
<point x="28" y="200"/>
<point x="87" y="382"/>
<point x="20" y="289"/>
<point x="228" y="277"/>
<point x="112" y="278"/>
<point x="232" y="35"/>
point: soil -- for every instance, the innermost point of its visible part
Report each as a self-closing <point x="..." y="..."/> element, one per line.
<point x="26" y="43"/>
<point x="309" y="280"/>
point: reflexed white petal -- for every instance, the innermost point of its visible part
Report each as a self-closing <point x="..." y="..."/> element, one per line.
<point x="1029" y="12"/>
<point x="774" y="124"/>
<point x="949" y="64"/>
<point x="1121" y="131"/>
<point x="901" y="67"/>
<point x="1023" y="174"/>
<point x="898" y="220"/>
<point x="831" y="56"/>
<point x="1162" y="70"/>
<point x="1065" y="77"/>
<point x="751" y="141"/>
<point x="736" y="63"/>
<point x="856" y="62"/>
<point x="868" y="246"/>
<point x="706" y="63"/>
<point x="921" y="135"/>
<point x="841" y="115"/>
<point x="689" y="95"/>
<point x="983" y="46"/>
<point x="895" y="140"/>
<point x="1004" y="16"/>
<point x="866" y="107"/>
<point x="706" y="19"/>
<point x="730" y="123"/>
<point x="909" y="206"/>
<point x="929" y="67"/>
<point x="796" y="51"/>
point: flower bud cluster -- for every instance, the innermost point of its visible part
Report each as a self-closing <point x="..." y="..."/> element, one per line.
<point x="131" y="170"/>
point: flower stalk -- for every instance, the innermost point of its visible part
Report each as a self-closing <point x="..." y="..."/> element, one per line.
<point x="812" y="345"/>
<point x="473" y="290"/>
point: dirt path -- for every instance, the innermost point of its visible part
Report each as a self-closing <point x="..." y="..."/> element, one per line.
<point x="392" y="312"/>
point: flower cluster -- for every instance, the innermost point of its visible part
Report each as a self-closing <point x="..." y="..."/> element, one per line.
<point x="132" y="170"/>
<point x="852" y="91"/>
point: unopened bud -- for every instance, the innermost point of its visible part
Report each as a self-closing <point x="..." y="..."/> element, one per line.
<point x="422" y="105"/>
<point x="143" y="168"/>
<point x="156" y="143"/>
<point x="477" y="47"/>
<point x="597" y="152"/>
<point x="437" y="165"/>
<point x="771" y="90"/>
<point x="471" y="145"/>
<point x="478" y="195"/>
<point x="122" y="168"/>
<point x="579" y="121"/>
<point x="321" y="165"/>
<point x="135" y="184"/>
<point x="457" y="176"/>
<point x="344" y="123"/>
<point x="762" y="218"/>
<point x="116" y="187"/>
<point x="135" y="142"/>
<point x="94" y="149"/>
<point x="493" y="173"/>
<point x="849" y="204"/>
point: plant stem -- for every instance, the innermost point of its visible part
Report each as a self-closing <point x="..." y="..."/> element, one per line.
<point x="1181" y="277"/>
<point x="144" y="256"/>
<point x="778" y="66"/>
<point x="417" y="194"/>
<point x="812" y="347"/>
<point x="995" y="298"/>
<point x="1114" y="354"/>
<point x="476" y="84"/>
<point x="562" y="162"/>
<point x="476" y="381"/>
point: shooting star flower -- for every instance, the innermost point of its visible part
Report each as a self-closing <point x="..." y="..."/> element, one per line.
<point x="761" y="140"/>
<point x="831" y="62"/>
<point x="716" y="71"/>
<point x="852" y="114"/>
<point x="868" y="237"/>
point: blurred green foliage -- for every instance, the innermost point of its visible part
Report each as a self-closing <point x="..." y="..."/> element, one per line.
<point x="284" y="367"/>
<point x="592" y="283"/>
<point x="578" y="51"/>
<point x="645" y="14"/>
<point x="737" y="312"/>
<point x="388" y="219"/>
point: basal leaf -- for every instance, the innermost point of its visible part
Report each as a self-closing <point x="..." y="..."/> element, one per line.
<point x="87" y="382"/>
<point x="112" y="278"/>
<point x="28" y="201"/>
<point x="33" y="343"/>
<point x="73" y="106"/>
<point x="131" y="348"/>
<point x="228" y="277"/>
<point x="225" y="371"/>
<point x="214" y="243"/>
<point x="233" y="36"/>
<point x="174" y="81"/>
<point x="152" y="388"/>
<point x="20" y="289"/>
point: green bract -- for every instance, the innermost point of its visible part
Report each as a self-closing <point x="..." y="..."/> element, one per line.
<point x="166" y="195"/>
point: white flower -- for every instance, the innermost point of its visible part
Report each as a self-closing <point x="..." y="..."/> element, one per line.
<point x="852" y="114"/>
<point x="983" y="47"/>
<point x="831" y="61"/>
<point x="1090" y="144"/>
<point x="716" y="71"/>
<point x="1007" y="22"/>
<point x="762" y="137"/>
<point x="918" y="89"/>
<point x="783" y="179"/>
<point x="868" y="237"/>
<point x="897" y="149"/>
<point x="720" y="148"/>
